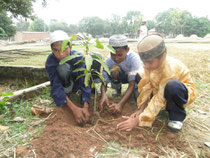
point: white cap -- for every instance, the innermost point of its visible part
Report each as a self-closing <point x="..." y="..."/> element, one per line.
<point x="58" y="35"/>
<point x="118" y="41"/>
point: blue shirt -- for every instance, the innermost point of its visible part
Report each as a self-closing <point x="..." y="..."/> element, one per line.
<point x="57" y="91"/>
<point x="131" y="65"/>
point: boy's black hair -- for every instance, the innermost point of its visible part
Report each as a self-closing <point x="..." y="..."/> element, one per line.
<point x="160" y="56"/>
<point x="59" y="41"/>
<point x="124" y="47"/>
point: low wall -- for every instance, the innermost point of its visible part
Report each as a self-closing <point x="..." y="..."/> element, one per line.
<point x="32" y="73"/>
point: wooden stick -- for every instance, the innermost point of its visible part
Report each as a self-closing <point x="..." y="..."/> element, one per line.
<point x="26" y="91"/>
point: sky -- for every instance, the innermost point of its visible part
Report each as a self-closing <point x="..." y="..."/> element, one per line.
<point x="72" y="11"/>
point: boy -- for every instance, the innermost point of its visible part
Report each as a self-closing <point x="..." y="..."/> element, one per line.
<point x="143" y="31"/>
<point x="63" y="80"/>
<point x="165" y="84"/>
<point x="124" y="66"/>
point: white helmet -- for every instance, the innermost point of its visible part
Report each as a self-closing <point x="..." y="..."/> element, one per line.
<point x="58" y="35"/>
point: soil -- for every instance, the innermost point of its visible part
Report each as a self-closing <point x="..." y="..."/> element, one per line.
<point x="63" y="137"/>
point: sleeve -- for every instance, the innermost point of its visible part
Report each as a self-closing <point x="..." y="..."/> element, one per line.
<point x="147" y="117"/>
<point x="186" y="79"/>
<point x="104" y="73"/>
<point x="57" y="91"/>
<point x="145" y="90"/>
<point x="135" y="66"/>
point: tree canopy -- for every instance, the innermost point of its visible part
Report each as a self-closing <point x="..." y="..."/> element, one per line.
<point x="6" y="27"/>
<point x="18" y="7"/>
<point x="174" y="21"/>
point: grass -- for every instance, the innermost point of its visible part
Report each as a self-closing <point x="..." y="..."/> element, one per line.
<point x="41" y="57"/>
<point x="196" y="126"/>
<point x="20" y="132"/>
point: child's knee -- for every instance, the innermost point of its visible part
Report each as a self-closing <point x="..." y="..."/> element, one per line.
<point x="173" y="87"/>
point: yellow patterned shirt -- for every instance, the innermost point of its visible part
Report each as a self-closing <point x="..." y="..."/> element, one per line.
<point x="152" y="85"/>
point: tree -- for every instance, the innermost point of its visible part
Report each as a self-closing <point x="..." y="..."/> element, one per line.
<point x="115" y="23"/>
<point x="163" y="22"/>
<point x="58" y="25"/>
<point x="198" y="26"/>
<point x="185" y="17"/>
<point x="175" y="21"/>
<point x="18" y="7"/>
<point x="73" y="29"/>
<point x="2" y="33"/>
<point x="22" y="25"/>
<point x="6" y="27"/>
<point x="131" y="22"/>
<point x="92" y="25"/>
<point x="150" y="24"/>
<point x="37" y="25"/>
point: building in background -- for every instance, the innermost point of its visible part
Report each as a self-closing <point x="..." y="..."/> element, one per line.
<point x="31" y="36"/>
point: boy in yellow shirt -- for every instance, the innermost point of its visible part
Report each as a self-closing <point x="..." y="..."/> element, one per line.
<point x="166" y="84"/>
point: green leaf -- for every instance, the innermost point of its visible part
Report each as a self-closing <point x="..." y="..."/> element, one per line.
<point x="79" y="69"/>
<point x="92" y="85"/>
<point x="5" y="98"/>
<point x="86" y="71"/>
<point x="103" y="64"/>
<point x="80" y="61"/>
<point x="80" y="36"/>
<point x="88" y="39"/>
<point x="87" y="79"/>
<point x="88" y="62"/>
<point x="7" y="94"/>
<point x="95" y="56"/>
<point x="80" y="76"/>
<point x="100" y="76"/>
<point x="70" y="57"/>
<point x="99" y="44"/>
<point x="111" y="49"/>
<point x="64" y="45"/>
<point x="72" y="38"/>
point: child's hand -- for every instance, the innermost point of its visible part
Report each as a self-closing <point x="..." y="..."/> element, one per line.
<point x="129" y="124"/>
<point x="136" y="114"/>
<point x="86" y="113"/>
<point x="116" y="108"/>
<point x="103" y="99"/>
<point x="79" y="115"/>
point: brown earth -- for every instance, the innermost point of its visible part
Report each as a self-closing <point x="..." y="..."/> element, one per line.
<point x="62" y="137"/>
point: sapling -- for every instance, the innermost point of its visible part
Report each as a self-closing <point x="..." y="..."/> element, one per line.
<point x="88" y="59"/>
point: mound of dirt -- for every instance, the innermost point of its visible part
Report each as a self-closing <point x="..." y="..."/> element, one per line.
<point x="180" y="37"/>
<point x="207" y="36"/>
<point x="62" y="137"/>
<point x="194" y="37"/>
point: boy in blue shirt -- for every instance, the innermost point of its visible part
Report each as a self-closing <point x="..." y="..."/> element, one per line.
<point x="63" y="80"/>
<point x="124" y="67"/>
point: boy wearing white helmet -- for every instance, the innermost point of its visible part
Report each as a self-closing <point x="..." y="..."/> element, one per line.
<point x="165" y="85"/>
<point x="63" y="80"/>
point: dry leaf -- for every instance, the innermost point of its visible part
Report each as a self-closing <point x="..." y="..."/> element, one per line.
<point x="207" y="144"/>
<point x="37" y="122"/>
<point x="40" y="110"/>
<point x="4" y="128"/>
<point x="45" y="101"/>
<point x="202" y="112"/>
<point x="18" y="119"/>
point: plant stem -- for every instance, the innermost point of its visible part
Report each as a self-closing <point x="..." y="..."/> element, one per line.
<point x="94" y="104"/>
